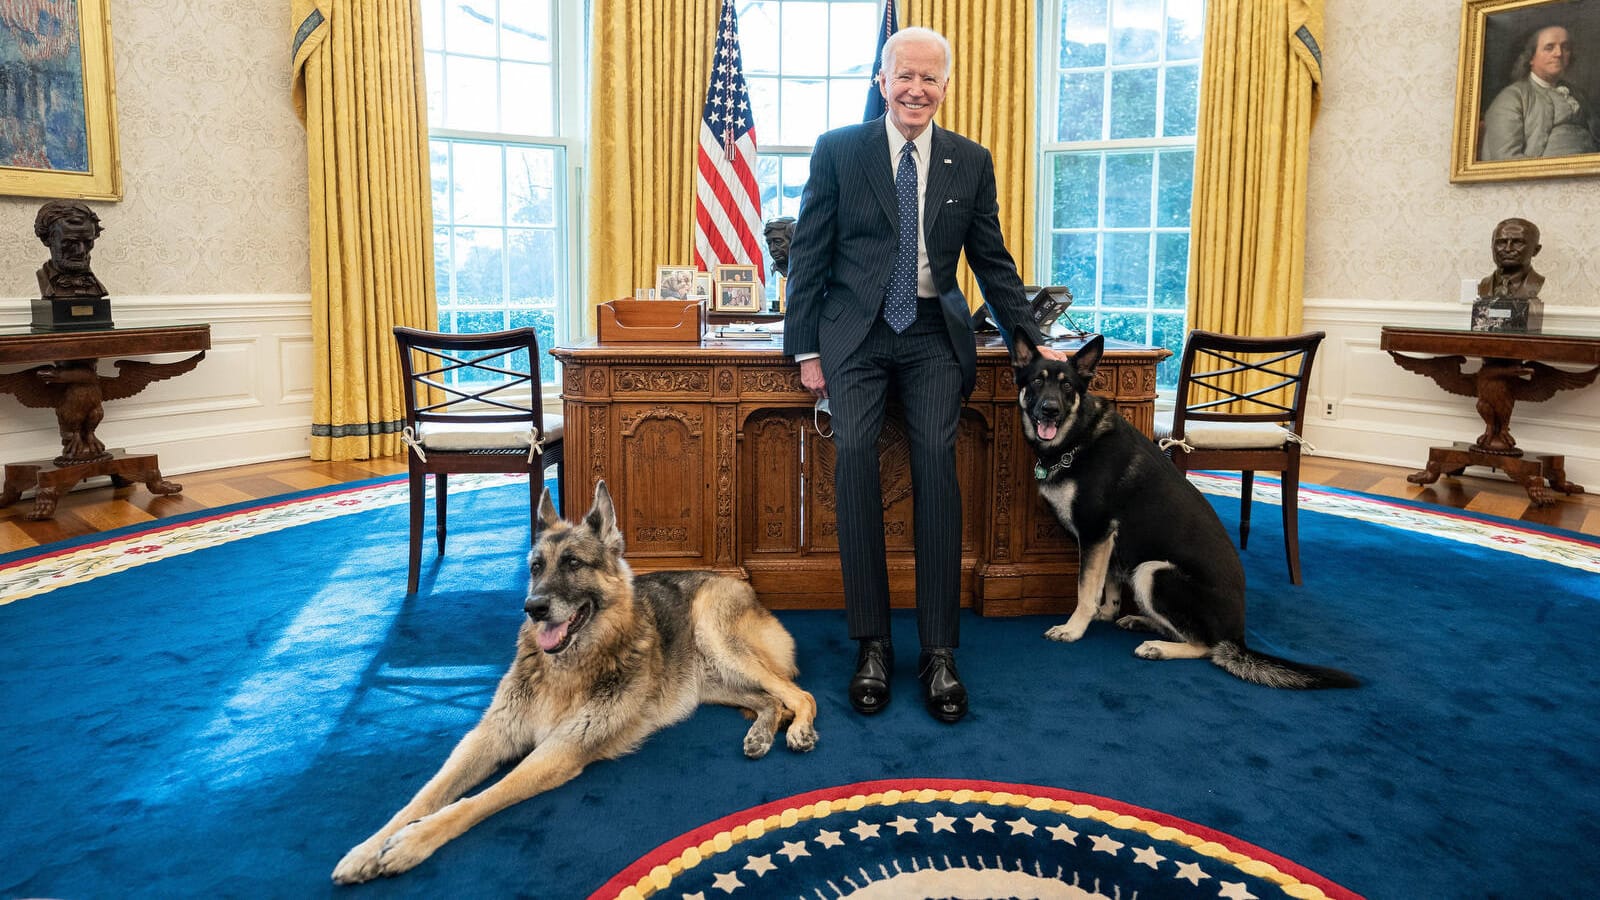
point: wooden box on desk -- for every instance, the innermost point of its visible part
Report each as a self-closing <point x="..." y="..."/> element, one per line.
<point x="650" y="321"/>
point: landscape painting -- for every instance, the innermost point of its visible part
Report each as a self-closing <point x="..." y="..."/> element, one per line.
<point x="57" y="122"/>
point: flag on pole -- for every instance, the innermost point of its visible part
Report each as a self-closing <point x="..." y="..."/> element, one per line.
<point x="875" y="107"/>
<point x="727" y="204"/>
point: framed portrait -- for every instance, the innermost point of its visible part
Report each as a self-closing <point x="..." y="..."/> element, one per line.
<point x="674" y="282"/>
<point x="783" y="294"/>
<point x="58" y="133"/>
<point x="737" y="296"/>
<point x="1525" y="90"/>
<point x="735" y="274"/>
<point x="702" y="285"/>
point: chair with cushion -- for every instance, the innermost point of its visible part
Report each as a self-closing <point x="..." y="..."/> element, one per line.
<point x="1241" y="405"/>
<point x="473" y="405"/>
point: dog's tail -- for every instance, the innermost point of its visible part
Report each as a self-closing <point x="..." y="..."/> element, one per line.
<point x="1272" y="671"/>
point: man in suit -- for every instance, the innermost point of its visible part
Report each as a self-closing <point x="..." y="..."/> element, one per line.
<point x="874" y="311"/>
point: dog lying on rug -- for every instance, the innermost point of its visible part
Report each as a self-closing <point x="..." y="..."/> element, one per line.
<point x="1140" y="524"/>
<point x="604" y="660"/>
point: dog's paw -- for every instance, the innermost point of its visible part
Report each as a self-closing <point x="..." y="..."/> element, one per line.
<point x="801" y="738"/>
<point x="407" y="848"/>
<point x="360" y="864"/>
<point x="1067" y="632"/>
<point x="757" y="742"/>
<point x="1150" y="650"/>
<point x="1135" y="623"/>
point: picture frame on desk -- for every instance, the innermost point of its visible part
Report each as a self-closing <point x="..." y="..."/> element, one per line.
<point x="1492" y="141"/>
<point x="702" y="285"/>
<point x="737" y="296"/>
<point x="783" y="290"/>
<point x="65" y="138"/>
<point x="675" y="282"/>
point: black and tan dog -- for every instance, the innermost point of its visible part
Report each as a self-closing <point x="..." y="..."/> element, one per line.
<point x="1139" y="524"/>
<point x="604" y="660"/>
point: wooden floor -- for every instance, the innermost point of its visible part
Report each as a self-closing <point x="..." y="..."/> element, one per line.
<point x="102" y="507"/>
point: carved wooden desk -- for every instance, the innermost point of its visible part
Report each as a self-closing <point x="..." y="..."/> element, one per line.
<point x="72" y="386"/>
<point x="711" y="456"/>
<point x="1512" y="370"/>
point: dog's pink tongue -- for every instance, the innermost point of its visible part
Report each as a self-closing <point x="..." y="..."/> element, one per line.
<point x="551" y="635"/>
<point x="1047" y="430"/>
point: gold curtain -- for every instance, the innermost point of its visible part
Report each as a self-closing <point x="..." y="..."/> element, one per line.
<point x="991" y="100"/>
<point x="358" y="87"/>
<point x="1258" y="98"/>
<point x="650" y="63"/>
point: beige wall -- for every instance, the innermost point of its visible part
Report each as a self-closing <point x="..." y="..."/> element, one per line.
<point x="213" y="159"/>
<point x="1384" y="221"/>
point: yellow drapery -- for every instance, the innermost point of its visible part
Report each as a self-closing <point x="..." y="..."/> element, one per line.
<point x="991" y="100"/>
<point x="1258" y="98"/>
<point x="358" y="87"/>
<point x="649" y="69"/>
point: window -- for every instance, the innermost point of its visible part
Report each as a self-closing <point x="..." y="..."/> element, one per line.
<point x="1117" y="165"/>
<point x="809" y="65"/>
<point x="503" y="99"/>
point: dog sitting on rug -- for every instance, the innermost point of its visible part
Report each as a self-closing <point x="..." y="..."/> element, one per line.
<point x="604" y="660"/>
<point x="1141" y="524"/>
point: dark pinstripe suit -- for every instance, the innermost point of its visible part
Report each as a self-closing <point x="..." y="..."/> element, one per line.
<point x="839" y="266"/>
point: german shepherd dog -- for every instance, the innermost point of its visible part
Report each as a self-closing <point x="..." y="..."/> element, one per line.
<point x="604" y="660"/>
<point x="1139" y="524"/>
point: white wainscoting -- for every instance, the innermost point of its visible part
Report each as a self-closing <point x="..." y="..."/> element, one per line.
<point x="1366" y="407"/>
<point x="248" y="401"/>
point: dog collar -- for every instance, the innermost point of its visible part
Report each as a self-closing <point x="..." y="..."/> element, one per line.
<point x="1041" y="473"/>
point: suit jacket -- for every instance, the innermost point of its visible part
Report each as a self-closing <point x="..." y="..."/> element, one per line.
<point x="1523" y="122"/>
<point x="847" y="233"/>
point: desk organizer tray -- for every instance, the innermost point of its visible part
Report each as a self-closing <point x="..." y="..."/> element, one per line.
<point x="650" y="321"/>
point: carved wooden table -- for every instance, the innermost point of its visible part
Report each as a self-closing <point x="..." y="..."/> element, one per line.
<point x="713" y="461"/>
<point x="71" y="385"/>
<point x="1513" y="369"/>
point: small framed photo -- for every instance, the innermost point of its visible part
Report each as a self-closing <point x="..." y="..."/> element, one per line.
<point x="702" y="285"/>
<point x="674" y="282"/>
<point x="735" y="296"/>
<point x="783" y="294"/>
<point x="735" y="275"/>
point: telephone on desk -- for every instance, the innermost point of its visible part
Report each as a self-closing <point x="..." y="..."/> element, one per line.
<point x="1048" y="303"/>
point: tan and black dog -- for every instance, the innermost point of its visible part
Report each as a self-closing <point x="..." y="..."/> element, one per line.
<point x="604" y="660"/>
<point x="1140" y="524"/>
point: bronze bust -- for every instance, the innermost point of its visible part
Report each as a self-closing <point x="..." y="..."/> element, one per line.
<point x="68" y="228"/>
<point x="1515" y="244"/>
<point x="779" y="232"/>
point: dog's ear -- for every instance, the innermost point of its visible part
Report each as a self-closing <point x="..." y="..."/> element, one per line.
<point x="1087" y="359"/>
<point x="547" y="514"/>
<point x="1023" y="352"/>
<point x="602" y="518"/>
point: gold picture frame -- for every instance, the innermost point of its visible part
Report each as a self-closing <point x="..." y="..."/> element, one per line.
<point x="675" y="282"/>
<point x="736" y="289"/>
<point x="1489" y="145"/>
<point x="72" y="165"/>
<point x="702" y="285"/>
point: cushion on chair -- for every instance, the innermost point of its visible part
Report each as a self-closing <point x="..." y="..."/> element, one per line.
<point x="554" y="427"/>
<point x="476" y="436"/>
<point x="1233" y="435"/>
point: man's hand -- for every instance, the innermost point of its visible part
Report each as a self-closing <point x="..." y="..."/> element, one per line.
<point x="811" y="376"/>
<point x="1052" y="353"/>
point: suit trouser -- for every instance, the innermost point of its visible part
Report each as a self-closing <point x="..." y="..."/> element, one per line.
<point x="919" y="368"/>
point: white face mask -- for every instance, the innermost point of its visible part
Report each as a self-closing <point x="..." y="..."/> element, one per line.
<point x="817" y="412"/>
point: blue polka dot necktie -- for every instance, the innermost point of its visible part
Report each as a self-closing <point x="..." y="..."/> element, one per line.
<point x="900" y="306"/>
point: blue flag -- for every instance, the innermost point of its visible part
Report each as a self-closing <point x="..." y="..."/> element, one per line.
<point x="875" y="107"/>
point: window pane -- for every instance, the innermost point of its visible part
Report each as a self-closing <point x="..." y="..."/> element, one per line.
<point x="469" y="27"/>
<point x="1168" y="331"/>
<point x="768" y="167"/>
<point x="441" y="265"/>
<point x="1083" y="33"/>
<point x="758" y="38"/>
<point x="1185" y="26"/>
<point x="1133" y="103"/>
<point x="852" y="39"/>
<point x="1136" y="31"/>
<point x="1127" y="271"/>
<point x="764" y="106"/>
<point x="479" y="196"/>
<point x="1183" y="99"/>
<point x="796" y="169"/>
<point x="533" y="266"/>
<point x="525" y="30"/>
<point x="847" y="100"/>
<point x="531" y="186"/>
<point x="470" y="94"/>
<point x="803" y="26"/>
<point x="1074" y="263"/>
<point x="479" y="275"/>
<point x="1081" y="106"/>
<point x="1076" y="190"/>
<point x="1130" y="327"/>
<point x="439" y="169"/>
<point x="527" y="104"/>
<point x="477" y="321"/>
<point x="1128" y="181"/>
<point x="1172" y="271"/>
<point x="1177" y="189"/>
<point x="432" y="24"/>
<point x="434" y="68"/>
<point x="803" y="112"/>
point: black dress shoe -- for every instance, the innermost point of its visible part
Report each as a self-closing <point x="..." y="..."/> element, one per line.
<point x="869" y="688"/>
<point x="942" y="690"/>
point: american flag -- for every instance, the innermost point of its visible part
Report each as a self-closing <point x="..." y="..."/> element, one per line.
<point x="727" y="205"/>
<point x="886" y="27"/>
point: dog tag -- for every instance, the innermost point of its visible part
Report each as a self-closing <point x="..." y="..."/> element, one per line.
<point x="1039" y="473"/>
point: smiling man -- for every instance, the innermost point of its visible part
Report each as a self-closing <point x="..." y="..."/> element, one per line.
<point x="1541" y="113"/>
<point x="874" y="314"/>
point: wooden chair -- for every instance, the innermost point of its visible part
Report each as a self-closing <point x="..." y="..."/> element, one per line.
<point x="1241" y="405"/>
<point x="472" y="405"/>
